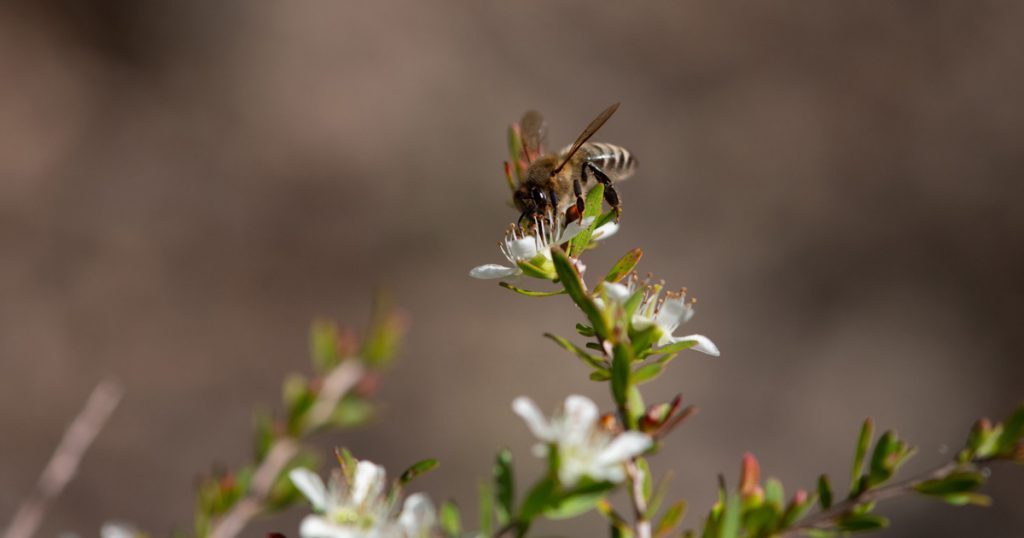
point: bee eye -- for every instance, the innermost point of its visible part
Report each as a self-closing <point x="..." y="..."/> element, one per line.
<point x="539" y="195"/>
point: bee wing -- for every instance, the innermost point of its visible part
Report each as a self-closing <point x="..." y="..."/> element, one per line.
<point x="534" y="132"/>
<point x="586" y="134"/>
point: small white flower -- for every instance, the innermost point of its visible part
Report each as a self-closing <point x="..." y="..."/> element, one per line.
<point x="666" y="312"/>
<point x="117" y="529"/>
<point x="360" y="509"/>
<point x="584" y="449"/>
<point x="521" y="246"/>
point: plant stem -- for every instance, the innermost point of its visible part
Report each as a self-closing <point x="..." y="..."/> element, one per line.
<point x="641" y="525"/>
<point x="821" y="519"/>
<point x="66" y="457"/>
<point x="337" y="383"/>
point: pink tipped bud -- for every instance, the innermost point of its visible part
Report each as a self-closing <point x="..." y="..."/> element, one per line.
<point x="799" y="497"/>
<point x="750" y="475"/>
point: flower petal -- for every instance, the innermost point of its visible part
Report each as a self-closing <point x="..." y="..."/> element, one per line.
<point x="673" y="312"/>
<point x="528" y="411"/>
<point x="368" y="482"/>
<point x="606" y="230"/>
<point x="573" y="229"/>
<point x="116" y="529"/>
<point x="418" y="516"/>
<point x="311" y="485"/>
<point x="627" y="445"/>
<point x="492" y="270"/>
<point x="318" y="527"/>
<point x="581" y="415"/>
<point x="523" y="249"/>
<point x="704" y="344"/>
<point x="616" y="292"/>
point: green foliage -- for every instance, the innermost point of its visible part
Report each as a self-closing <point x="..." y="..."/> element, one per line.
<point x="624" y="266"/>
<point x="416" y="470"/>
<point x="592" y="210"/>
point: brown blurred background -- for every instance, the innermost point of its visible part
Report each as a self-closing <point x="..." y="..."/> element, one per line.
<point x="184" y="186"/>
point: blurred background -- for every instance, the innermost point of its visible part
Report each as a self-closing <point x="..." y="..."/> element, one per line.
<point x="185" y="186"/>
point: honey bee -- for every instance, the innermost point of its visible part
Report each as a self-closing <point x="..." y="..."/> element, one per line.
<point x="556" y="182"/>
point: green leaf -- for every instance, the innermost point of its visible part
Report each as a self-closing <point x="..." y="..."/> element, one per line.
<point x="585" y="330"/>
<point x="581" y="499"/>
<point x="673" y="516"/>
<point x="624" y="266"/>
<point x="645" y="476"/>
<point x="676" y="347"/>
<point x="647" y="372"/>
<point x="451" y="522"/>
<point x="347" y="462"/>
<point x="530" y="293"/>
<point x="352" y="410"/>
<point x="573" y="285"/>
<point x="323" y="345"/>
<point x="643" y="340"/>
<point x="635" y="405"/>
<point x="730" y="522"/>
<point x="863" y="442"/>
<point x="486" y="495"/>
<point x="862" y="522"/>
<point x="538" y="267"/>
<point x="659" y="495"/>
<point x="384" y="336"/>
<point x="504" y="486"/>
<point x="593" y="209"/>
<point x="825" y="492"/>
<point x="955" y="482"/>
<point x="600" y="375"/>
<point x="1013" y="432"/>
<point x="963" y="499"/>
<point x="417" y="469"/>
<point x="605" y="218"/>
<point x="592" y="361"/>
<point x="774" y="494"/>
<point x="541" y="497"/>
<point x="621" y="374"/>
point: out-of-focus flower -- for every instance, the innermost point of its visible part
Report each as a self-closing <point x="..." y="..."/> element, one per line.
<point x="584" y="448"/>
<point x="665" y="312"/>
<point x="362" y="508"/>
<point x="522" y="246"/>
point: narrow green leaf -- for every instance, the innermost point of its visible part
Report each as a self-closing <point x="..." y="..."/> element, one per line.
<point x="676" y="347"/>
<point x="540" y="498"/>
<point x="963" y="499"/>
<point x="585" y="330"/>
<point x="573" y="285"/>
<point x="635" y="405"/>
<point x="862" y="522"/>
<point x="955" y="482"/>
<point x="451" y="522"/>
<point x="530" y="293"/>
<point x="645" y="477"/>
<point x="659" y="495"/>
<point x="592" y="209"/>
<point x="600" y="375"/>
<point x="1013" y="432"/>
<point x="323" y="345"/>
<point x="730" y="523"/>
<point x="881" y="459"/>
<point x="504" y="487"/>
<point x="863" y="442"/>
<point x="624" y="266"/>
<point x="592" y="361"/>
<point x="418" y="469"/>
<point x="384" y="336"/>
<point x="581" y="499"/>
<point x="621" y="374"/>
<point x="605" y="218"/>
<point x="673" y="516"/>
<point x="825" y="492"/>
<point x="774" y="494"/>
<point x="485" y="493"/>
<point x="647" y="372"/>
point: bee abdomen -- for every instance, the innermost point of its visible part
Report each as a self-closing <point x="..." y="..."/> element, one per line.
<point x="616" y="161"/>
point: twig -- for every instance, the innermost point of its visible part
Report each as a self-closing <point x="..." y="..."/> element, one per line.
<point x="66" y="457"/>
<point x="824" y="517"/>
<point x="642" y="526"/>
<point x="335" y="386"/>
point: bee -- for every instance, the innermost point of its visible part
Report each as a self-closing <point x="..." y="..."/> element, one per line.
<point x="556" y="182"/>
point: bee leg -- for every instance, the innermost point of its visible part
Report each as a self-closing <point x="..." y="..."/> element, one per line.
<point x="580" y="206"/>
<point x="610" y="195"/>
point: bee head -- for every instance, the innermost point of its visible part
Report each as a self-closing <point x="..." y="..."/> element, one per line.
<point x="531" y="200"/>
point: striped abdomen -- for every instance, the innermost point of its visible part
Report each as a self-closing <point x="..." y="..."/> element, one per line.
<point x="616" y="161"/>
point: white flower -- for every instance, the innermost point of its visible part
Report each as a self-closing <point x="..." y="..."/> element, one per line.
<point x="667" y="313"/>
<point x="117" y="529"/>
<point x="521" y="246"/>
<point x="584" y="449"/>
<point x="360" y="509"/>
